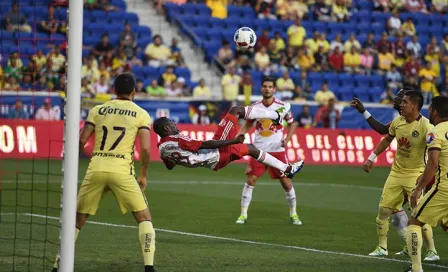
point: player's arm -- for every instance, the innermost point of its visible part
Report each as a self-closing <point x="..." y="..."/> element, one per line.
<point x="291" y="128"/>
<point x="145" y="150"/>
<point x="376" y="125"/>
<point x="246" y="127"/>
<point x="87" y="131"/>
<point x="382" y="146"/>
<point x="221" y="143"/>
<point x="430" y="171"/>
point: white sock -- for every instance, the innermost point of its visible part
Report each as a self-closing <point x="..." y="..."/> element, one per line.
<point x="257" y="113"/>
<point x="400" y="222"/>
<point x="269" y="160"/>
<point x="246" y="197"/>
<point x="291" y="198"/>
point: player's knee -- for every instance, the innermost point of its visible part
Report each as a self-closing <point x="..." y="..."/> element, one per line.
<point x="251" y="180"/>
<point x="384" y="213"/>
<point x="286" y="184"/>
<point x="81" y="219"/>
<point x="444" y="227"/>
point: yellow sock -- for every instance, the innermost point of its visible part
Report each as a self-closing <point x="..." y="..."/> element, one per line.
<point x="414" y="241"/>
<point x="428" y="236"/>
<point x="382" y="226"/>
<point x="147" y="237"/>
<point x="56" y="262"/>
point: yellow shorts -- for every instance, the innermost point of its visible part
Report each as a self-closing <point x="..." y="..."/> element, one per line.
<point x="394" y="189"/>
<point x="433" y="208"/>
<point x="124" y="187"/>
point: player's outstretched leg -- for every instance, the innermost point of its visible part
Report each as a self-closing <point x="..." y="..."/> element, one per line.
<point x="81" y="220"/>
<point x="382" y="228"/>
<point x="290" y="194"/>
<point x="263" y="157"/>
<point x="428" y="237"/>
<point x="147" y="238"/>
<point x="252" y="113"/>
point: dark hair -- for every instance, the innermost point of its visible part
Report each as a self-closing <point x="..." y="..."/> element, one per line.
<point x="105" y="34"/>
<point x="159" y="124"/>
<point x="156" y="36"/>
<point x="440" y="105"/>
<point x="124" y="84"/>
<point x="268" y="79"/>
<point x="416" y="98"/>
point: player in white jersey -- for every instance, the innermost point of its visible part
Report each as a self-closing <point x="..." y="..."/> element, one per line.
<point x="270" y="138"/>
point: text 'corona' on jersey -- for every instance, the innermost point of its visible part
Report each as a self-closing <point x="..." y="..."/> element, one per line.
<point x="108" y="110"/>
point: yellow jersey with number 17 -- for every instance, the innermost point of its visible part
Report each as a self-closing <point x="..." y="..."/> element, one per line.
<point x="438" y="139"/>
<point x="410" y="157"/>
<point x="117" y="123"/>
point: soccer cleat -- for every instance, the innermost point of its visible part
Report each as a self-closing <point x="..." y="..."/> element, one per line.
<point x="282" y="112"/>
<point x="295" y="220"/>
<point x="410" y="270"/>
<point x="403" y="252"/>
<point x="431" y="256"/>
<point x="294" y="169"/>
<point x="241" y="220"/>
<point x="379" y="252"/>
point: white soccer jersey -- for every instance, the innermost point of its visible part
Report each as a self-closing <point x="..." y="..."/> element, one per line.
<point x="185" y="151"/>
<point x="269" y="137"/>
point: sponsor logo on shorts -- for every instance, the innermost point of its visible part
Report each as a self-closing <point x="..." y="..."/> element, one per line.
<point x="415" y="134"/>
<point x="108" y="155"/>
<point x="430" y="138"/>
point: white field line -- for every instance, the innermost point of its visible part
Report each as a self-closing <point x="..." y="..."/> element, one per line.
<point x="241" y="183"/>
<point x="240" y="241"/>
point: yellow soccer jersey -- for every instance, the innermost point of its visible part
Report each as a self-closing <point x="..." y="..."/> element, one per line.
<point x="117" y="123"/>
<point x="438" y="139"/>
<point x="411" y="145"/>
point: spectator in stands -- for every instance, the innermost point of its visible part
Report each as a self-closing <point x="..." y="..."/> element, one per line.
<point x="46" y="112"/>
<point x="336" y="60"/>
<point x="433" y="58"/>
<point x="41" y="84"/>
<point x="352" y="61"/>
<point x="174" y="90"/>
<point x="57" y="59"/>
<point x="11" y="84"/>
<point x="427" y="82"/>
<point x="168" y="77"/>
<point x="439" y="6"/>
<point x="382" y="5"/>
<point x="385" y="61"/>
<point x="118" y="62"/>
<point x="103" y="47"/>
<point x="304" y="62"/>
<point x="352" y="41"/>
<point x="285" y="87"/>
<point x="230" y="85"/>
<point x="388" y="96"/>
<point x="299" y="94"/>
<point x="337" y="42"/>
<point x="60" y="3"/>
<point x="102" y="70"/>
<point x="366" y="61"/>
<point x="155" y="89"/>
<point x="31" y="69"/>
<point x="322" y="42"/>
<point x="18" y="112"/>
<point x="201" y="118"/>
<point x="62" y="84"/>
<point x="328" y="116"/>
<point x="128" y="41"/>
<point x="394" y="24"/>
<point x="52" y="77"/>
<point x="40" y="59"/>
<point x="414" y="46"/>
<point x="321" y="60"/>
<point x="202" y="91"/>
<point x="278" y="41"/>
<point x="101" y="86"/>
<point x="90" y="71"/>
<point x="324" y="94"/>
<point x="394" y="78"/>
<point x="27" y="83"/>
<point x="416" y="6"/>
<point x="50" y="24"/>
<point x="305" y="119"/>
<point x="225" y="55"/>
<point x="434" y="45"/>
<point x="245" y="88"/>
<point x="408" y="28"/>
<point x="176" y="54"/>
<point x="276" y="58"/>
<point x="262" y="61"/>
<point x="297" y="9"/>
<point x="16" y="21"/>
<point x="218" y="7"/>
<point x="296" y="34"/>
<point x="311" y="43"/>
<point x="105" y="5"/>
<point x="12" y="70"/>
<point x="322" y="11"/>
<point x="139" y="87"/>
<point x="398" y="5"/>
<point x="304" y="83"/>
<point x="86" y="88"/>
<point x="263" y="40"/>
<point x="370" y="43"/>
<point x="400" y="51"/>
<point x="384" y="43"/>
<point x="281" y="9"/>
<point x="264" y="9"/>
<point x="339" y="11"/>
<point x="444" y="44"/>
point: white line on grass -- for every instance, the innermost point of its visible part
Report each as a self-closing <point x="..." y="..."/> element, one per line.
<point x="238" y="240"/>
<point x="192" y="182"/>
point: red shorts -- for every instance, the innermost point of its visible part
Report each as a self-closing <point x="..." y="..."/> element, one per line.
<point x="257" y="169"/>
<point x="228" y="129"/>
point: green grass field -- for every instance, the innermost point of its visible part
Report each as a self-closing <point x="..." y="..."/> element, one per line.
<point x="194" y="211"/>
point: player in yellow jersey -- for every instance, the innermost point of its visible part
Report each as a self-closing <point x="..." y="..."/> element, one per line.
<point x="410" y="129"/>
<point x="433" y="208"/>
<point x="116" y="125"/>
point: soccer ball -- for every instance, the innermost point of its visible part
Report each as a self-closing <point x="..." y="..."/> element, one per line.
<point x="245" y="38"/>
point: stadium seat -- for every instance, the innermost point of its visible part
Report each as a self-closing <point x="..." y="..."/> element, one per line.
<point x="348" y="28"/>
<point x="203" y="11"/>
<point x="116" y="17"/>
<point x="183" y="72"/>
<point x="188" y="9"/>
<point x="375" y="94"/>
<point x="345" y="94"/>
<point x="132" y="18"/>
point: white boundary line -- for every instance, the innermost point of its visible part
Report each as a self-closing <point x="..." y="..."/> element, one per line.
<point x="241" y="183"/>
<point x="239" y="240"/>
